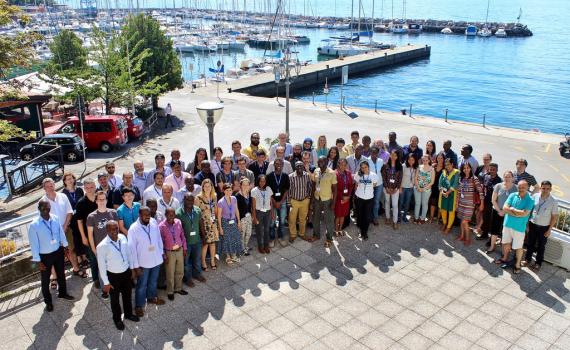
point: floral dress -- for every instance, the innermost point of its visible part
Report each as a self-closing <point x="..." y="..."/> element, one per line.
<point x="208" y="218"/>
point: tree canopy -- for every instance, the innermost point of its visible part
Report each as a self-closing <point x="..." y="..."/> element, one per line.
<point x="68" y="52"/>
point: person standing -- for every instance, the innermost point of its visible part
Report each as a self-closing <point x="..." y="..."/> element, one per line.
<point x="392" y="179"/>
<point x="228" y="226"/>
<point x="365" y="182"/>
<point x="280" y="154"/>
<point x="115" y="261"/>
<point x="263" y="214"/>
<point x="244" y="206"/>
<point x="175" y="251"/>
<point x="47" y="244"/>
<point x="322" y="149"/>
<point x="236" y="150"/>
<point x="448" y="152"/>
<point x="407" y="188"/>
<point x="189" y="187"/>
<point x="348" y="149"/>
<point x="517" y="208"/>
<point x="113" y="180"/>
<point x="438" y="167"/>
<point x="279" y="183"/>
<point x="168" y="115"/>
<point x="128" y="212"/>
<point x="300" y="196"/>
<point x="488" y="181"/>
<point x="254" y="147"/>
<point x="96" y="230"/>
<point x="412" y="149"/>
<point x="103" y="180"/>
<point x="469" y="189"/>
<point x="139" y="177"/>
<point x="425" y="178"/>
<point x="501" y="192"/>
<point x="344" y="189"/>
<point x="176" y="179"/>
<point x="145" y="244"/>
<point x="544" y="217"/>
<point x="225" y="176"/>
<point x="75" y="247"/>
<point x="466" y="157"/>
<point x="259" y="167"/>
<point x="355" y="158"/>
<point x="521" y="174"/>
<point x="155" y="190"/>
<point x="175" y="156"/>
<point x="205" y="173"/>
<point x="160" y="167"/>
<point x="448" y="184"/>
<point x="167" y="200"/>
<point x="324" y="201"/>
<point x="127" y="183"/>
<point x="195" y="166"/>
<point x="393" y="145"/>
<point x="208" y="228"/>
<point x="85" y="206"/>
<point x="333" y="158"/>
<point x="243" y="171"/>
<point x="189" y="215"/>
<point x="216" y="164"/>
<point x="375" y="164"/>
<point x="283" y="143"/>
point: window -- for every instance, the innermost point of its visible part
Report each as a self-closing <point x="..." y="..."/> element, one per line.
<point x="67" y="128"/>
<point x="64" y="141"/>
<point x="97" y="127"/>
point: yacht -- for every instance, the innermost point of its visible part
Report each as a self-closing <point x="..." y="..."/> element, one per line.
<point x="336" y="49"/>
<point x="414" y="28"/>
<point x="471" y="30"/>
<point x="446" y="30"/>
<point x="485" y="32"/>
<point x="398" y="28"/>
<point x="501" y="33"/>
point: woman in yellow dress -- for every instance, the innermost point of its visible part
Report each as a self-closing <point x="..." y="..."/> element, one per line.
<point x="448" y="184"/>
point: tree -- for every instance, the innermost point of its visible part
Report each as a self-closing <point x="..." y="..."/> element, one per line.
<point x="143" y="32"/>
<point x="9" y="131"/>
<point x="15" y="51"/>
<point x="68" y="53"/>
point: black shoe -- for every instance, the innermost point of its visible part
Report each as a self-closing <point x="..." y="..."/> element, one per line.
<point x="182" y="292"/>
<point x="482" y="237"/>
<point x="66" y="297"/>
<point x="105" y="295"/>
<point x="49" y="307"/>
<point x="133" y="318"/>
<point x="120" y="325"/>
<point x="170" y="296"/>
<point x="161" y="287"/>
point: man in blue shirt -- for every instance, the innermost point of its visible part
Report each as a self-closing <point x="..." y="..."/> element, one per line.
<point x="517" y="210"/>
<point x="47" y="243"/>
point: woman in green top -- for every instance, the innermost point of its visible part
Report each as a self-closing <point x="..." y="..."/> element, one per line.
<point x="448" y="183"/>
<point x="322" y="149"/>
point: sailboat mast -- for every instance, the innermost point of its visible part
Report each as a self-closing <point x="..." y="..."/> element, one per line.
<point x="351" y="18"/>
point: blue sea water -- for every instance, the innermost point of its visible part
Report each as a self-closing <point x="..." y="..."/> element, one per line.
<point x="517" y="82"/>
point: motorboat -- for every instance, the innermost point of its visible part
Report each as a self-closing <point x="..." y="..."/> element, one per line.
<point x="471" y="30"/>
<point x="501" y="33"/>
<point x="446" y="31"/>
<point x="336" y="49"/>
<point x="485" y="32"/>
<point x="414" y="28"/>
<point x="398" y="28"/>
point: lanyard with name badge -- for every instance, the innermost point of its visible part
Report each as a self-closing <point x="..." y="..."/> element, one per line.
<point x="345" y="181"/>
<point x="263" y="193"/>
<point x="230" y="207"/>
<point x="151" y="246"/>
<point x="173" y="233"/>
<point x="191" y="218"/>
<point x="53" y="241"/>
<point x="118" y="248"/>
<point x="278" y="193"/>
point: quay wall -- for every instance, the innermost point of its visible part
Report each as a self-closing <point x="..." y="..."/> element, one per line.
<point x="316" y="74"/>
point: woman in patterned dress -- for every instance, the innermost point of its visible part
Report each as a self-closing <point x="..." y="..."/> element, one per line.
<point x="228" y="225"/>
<point x="206" y="201"/>
<point x="344" y="189"/>
<point x="468" y="186"/>
<point x="448" y="183"/>
<point x="438" y="166"/>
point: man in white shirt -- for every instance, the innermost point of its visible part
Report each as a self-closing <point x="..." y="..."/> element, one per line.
<point x="139" y="176"/>
<point x="237" y="155"/>
<point x="114" y="261"/>
<point x="375" y="164"/>
<point x="189" y="187"/>
<point x="354" y="159"/>
<point x="280" y="154"/>
<point x="176" y="179"/>
<point x="147" y="252"/>
<point x="154" y="190"/>
<point x="113" y="180"/>
<point x="167" y="200"/>
<point x="287" y="148"/>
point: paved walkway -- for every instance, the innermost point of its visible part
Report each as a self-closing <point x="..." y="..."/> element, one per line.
<point x="412" y="288"/>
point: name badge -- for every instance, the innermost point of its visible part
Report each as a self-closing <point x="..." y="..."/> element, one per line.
<point x="444" y="189"/>
<point x="151" y="248"/>
<point x="231" y="222"/>
<point x="392" y="181"/>
<point x="318" y="189"/>
<point x="213" y="219"/>
<point x="193" y="233"/>
<point x="345" y="190"/>
<point x="247" y="215"/>
<point x="462" y="195"/>
<point x="175" y="247"/>
<point x="52" y="242"/>
<point x="278" y="194"/>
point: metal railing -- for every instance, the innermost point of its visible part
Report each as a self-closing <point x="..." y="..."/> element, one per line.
<point x="14" y="236"/>
<point x="151" y="122"/>
<point x="29" y="174"/>
<point x="563" y="223"/>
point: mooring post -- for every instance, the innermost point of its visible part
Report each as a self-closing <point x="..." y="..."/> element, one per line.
<point x="313" y="98"/>
<point x="375" y="106"/>
<point x="411" y="110"/>
<point x="446" y="115"/>
<point x="484" y="117"/>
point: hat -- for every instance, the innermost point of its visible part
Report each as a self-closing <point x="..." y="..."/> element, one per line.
<point x="308" y="139"/>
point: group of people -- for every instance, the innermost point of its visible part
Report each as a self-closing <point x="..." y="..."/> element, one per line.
<point x="167" y="226"/>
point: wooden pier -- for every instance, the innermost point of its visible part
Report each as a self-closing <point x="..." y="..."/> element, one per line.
<point x="317" y="73"/>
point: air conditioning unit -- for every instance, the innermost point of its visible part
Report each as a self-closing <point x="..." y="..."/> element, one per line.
<point x="557" y="249"/>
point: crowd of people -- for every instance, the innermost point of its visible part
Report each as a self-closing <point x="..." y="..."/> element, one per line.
<point x="169" y="226"/>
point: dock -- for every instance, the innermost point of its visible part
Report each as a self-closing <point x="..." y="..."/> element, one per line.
<point x="316" y="74"/>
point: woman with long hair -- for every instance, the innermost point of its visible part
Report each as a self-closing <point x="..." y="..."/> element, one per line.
<point x="431" y="150"/>
<point x="344" y="190"/>
<point x="438" y="166"/>
<point x="392" y="179"/>
<point x="322" y="149"/>
<point x="501" y="192"/>
<point x="333" y="156"/>
<point x="408" y="177"/>
<point x="76" y="247"/>
<point x="196" y="165"/>
<point x="365" y="182"/>
<point x="263" y="214"/>
<point x="228" y="225"/>
<point x="448" y="183"/>
<point x="244" y="205"/>
<point x="469" y="185"/>
<point x="206" y="201"/>
<point x="422" y="191"/>
<point x="216" y="163"/>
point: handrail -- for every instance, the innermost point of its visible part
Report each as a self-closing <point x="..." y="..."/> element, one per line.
<point x="563" y="222"/>
<point x="41" y="160"/>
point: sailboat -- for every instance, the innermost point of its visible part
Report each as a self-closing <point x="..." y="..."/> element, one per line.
<point x="485" y="32"/>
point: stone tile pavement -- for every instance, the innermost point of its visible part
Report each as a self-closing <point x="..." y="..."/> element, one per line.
<point x="406" y="289"/>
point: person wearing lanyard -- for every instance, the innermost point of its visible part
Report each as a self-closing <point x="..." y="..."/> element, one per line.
<point x="279" y="183"/>
<point x="407" y="190"/>
<point x="127" y="183"/>
<point x="300" y="194"/>
<point x="175" y="251"/>
<point x="167" y="200"/>
<point x="114" y="180"/>
<point x="189" y="187"/>
<point x="354" y="159"/>
<point x="114" y="260"/>
<point x="225" y="176"/>
<point x="375" y="165"/>
<point x="324" y="200"/>
<point x="236" y="148"/>
<point x="262" y="213"/>
<point x="544" y="217"/>
<point x="205" y="173"/>
<point x="392" y="179"/>
<point x="228" y="226"/>
<point x="243" y="171"/>
<point x="176" y="179"/>
<point x="155" y="190"/>
<point x="244" y="206"/>
<point x="208" y="228"/>
<point x="139" y="176"/>
<point x="260" y="166"/>
<point x="216" y="161"/>
<point x="128" y="212"/>
<point x="333" y="156"/>
<point x="72" y="234"/>
<point x="47" y="244"/>
<point x="145" y="245"/>
<point x="344" y="189"/>
<point x="189" y="215"/>
<point x="365" y="182"/>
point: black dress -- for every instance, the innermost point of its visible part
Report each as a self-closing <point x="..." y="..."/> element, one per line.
<point x="434" y="196"/>
<point x="74" y="197"/>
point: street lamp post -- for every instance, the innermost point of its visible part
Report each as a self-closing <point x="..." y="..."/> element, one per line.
<point x="285" y="70"/>
<point x="210" y="113"/>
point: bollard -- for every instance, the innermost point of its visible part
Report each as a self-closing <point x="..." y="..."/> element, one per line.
<point x="484" y="117"/>
<point x="446" y="115"/>
<point x="411" y="110"/>
<point x="313" y="98"/>
<point x="375" y="106"/>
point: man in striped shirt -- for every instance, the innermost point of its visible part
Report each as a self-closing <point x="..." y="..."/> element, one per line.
<point x="300" y="194"/>
<point x="521" y="174"/>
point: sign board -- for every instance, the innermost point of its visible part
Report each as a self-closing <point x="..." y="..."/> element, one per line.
<point x="191" y="67"/>
<point x="344" y="74"/>
<point x="277" y="76"/>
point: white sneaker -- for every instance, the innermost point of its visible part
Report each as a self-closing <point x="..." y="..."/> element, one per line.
<point x="272" y="244"/>
<point x="283" y="242"/>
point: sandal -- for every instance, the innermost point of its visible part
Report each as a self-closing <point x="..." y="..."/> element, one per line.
<point x="229" y="261"/>
<point x="516" y="270"/>
<point x="328" y="244"/>
<point x="488" y="252"/>
<point x="205" y="267"/>
<point x="214" y="267"/>
<point x="499" y="261"/>
<point x="53" y="283"/>
<point x="80" y="273"/>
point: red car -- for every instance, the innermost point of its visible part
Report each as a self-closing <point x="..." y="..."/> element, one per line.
<point x="135" y="126"/>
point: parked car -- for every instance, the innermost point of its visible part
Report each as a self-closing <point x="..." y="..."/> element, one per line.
<point x="71" y="146"/>
<point x="100" y="132"/>
<point x="135" y="126"/>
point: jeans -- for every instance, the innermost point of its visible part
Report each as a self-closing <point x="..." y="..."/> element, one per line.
<point x="193" y="264"/>
<point x="93" y="266"/>
<point x="362" y="208"/>
<point x="146" y="285"/>
<point x="377" y="200"/>
<point x="281" y="215"/>
<point x="405" y="200"/>
<point x="320" y="207"/>
<point x="262" y="229"/>
<point x="391" y="199"/>
<point x="422" y="202"/>
<point x="536" y="242"/>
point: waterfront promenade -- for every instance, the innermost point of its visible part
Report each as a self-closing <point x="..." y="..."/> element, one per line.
<point x="412" y="288"/>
